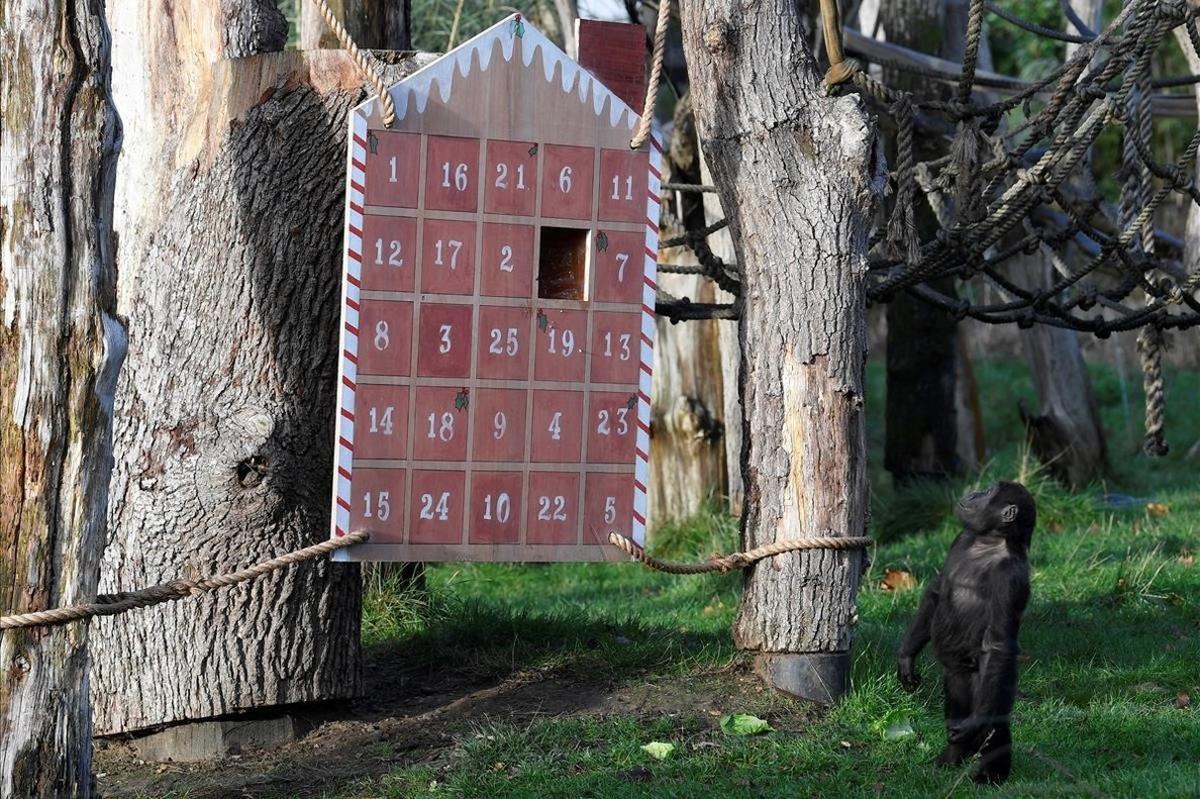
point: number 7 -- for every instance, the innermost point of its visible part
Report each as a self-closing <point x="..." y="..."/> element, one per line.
<point x="622" y="258"/>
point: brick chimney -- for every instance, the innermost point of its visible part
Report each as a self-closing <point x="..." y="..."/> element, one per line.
<point x="615" y="53"/>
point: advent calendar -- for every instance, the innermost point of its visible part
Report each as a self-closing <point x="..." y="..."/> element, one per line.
<point x="498" y="306"/>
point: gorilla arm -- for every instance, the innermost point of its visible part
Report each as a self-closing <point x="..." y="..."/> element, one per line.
<point x="917" y="636"/>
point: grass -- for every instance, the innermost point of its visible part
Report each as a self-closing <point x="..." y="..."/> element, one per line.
<point x="1111" y="643"/>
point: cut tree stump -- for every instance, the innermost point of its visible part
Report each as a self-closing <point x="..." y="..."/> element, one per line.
<point x="230" y="211"/>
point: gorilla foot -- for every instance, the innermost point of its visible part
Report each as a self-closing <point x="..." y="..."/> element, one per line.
<point x="990" y="775"/>
<point x="950" y="756"/>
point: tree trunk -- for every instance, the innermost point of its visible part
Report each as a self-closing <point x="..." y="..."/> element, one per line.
<point x="568" y="15"/>
<point x="61" y="346"/>
<point x="1065" y="433"/>
<point x="229" y="213"/>
<point x="922" y="414"/>
<point x="1191" y="241"/>
<point x="687" y="448"/>
<point x="372" y="24"/>
<point x="797" y="176"/>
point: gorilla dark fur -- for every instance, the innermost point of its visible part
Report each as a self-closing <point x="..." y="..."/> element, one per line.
<point x="972" y="613"/>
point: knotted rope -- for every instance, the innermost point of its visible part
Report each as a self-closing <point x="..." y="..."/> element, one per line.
<point x="112" y="604"/>
<point x="1150" y="343"/>
<point x="642" y="132"/>
<point x="736" y="560"/>
<point x="387" y="107"/>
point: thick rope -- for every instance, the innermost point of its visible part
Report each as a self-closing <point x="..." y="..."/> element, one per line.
<point x="112" y="604"/>
<point x="1150" y="344"/>
<point x="368" y="71"/>
<point x="737" y="560"/>
<point x="642" y="132"/>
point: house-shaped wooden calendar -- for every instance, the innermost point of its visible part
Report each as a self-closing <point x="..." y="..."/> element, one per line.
<point x="498" y="306"/>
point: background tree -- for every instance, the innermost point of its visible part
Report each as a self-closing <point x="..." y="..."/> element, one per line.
<point x="61" y="345"/>
<point x="1065" y="430"/>
<point x="796" y="173"/>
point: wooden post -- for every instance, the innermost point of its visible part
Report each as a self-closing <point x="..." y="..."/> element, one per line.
<point x="797" y="177"/>
<point x="61" y="345"/>
<point x="230" y="210"/>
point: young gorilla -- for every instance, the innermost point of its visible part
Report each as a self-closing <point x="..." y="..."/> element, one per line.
<point x="972" y="612"/>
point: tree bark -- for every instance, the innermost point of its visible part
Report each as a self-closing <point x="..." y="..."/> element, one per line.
<point x="230" y="213"/>
<point x="61" y="346"/>
<point x="1065" y="433"/>
<point x="687" y="448"/>
<point x="372" y="24"/>
<point x="797" y="175"/>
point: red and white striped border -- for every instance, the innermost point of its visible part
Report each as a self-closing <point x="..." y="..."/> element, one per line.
<point x="641" y="474"/>
<point x="356" y="177"/>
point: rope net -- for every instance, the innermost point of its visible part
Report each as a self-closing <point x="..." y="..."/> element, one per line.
<point x="1005" y="173"/>
<point x="1004" y="191"/>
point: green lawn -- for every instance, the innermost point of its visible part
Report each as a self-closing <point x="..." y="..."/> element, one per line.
<point x="1111" y="650"/>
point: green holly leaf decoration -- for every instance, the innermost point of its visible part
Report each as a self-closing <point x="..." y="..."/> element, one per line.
<point x="518" y="27"/>
<point x="461" y="400"/>
<point x="533" y="151"/>
<point x="373" y="140"/>
<point x="631" y="403"/>
<point x="601" y="241"/>
<point x="543" y="322"/>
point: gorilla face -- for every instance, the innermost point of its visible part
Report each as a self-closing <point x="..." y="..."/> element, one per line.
<point x="1003" y="508"/>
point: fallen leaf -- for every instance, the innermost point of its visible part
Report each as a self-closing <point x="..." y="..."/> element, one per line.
<point x="658" y="749"/>
<point x="1186" y="558"/>
<point x="1157" y="508"/>
<point x="897" y="580"/>
<point x="893" y="726"/>
<point x="845" y="744"/>
<point x="1183" y="701"/>
<point x="744" y="724"/>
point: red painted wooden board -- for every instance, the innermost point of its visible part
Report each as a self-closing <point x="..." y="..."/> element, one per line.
<point x="498" y="327"/>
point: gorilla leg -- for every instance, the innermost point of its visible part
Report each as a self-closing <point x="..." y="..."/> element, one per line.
<point x="995" y="755"/>
<point x="957" y="688"/>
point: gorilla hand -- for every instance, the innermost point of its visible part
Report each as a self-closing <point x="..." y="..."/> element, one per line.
<point x="910" y="680"/>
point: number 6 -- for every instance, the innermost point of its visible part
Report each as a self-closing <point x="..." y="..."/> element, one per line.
<point x="564" y="180"/>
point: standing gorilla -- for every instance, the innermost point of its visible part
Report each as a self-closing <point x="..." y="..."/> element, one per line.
<point x="972" y="612"/>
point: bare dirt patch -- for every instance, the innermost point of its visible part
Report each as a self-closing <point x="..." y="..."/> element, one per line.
<point x="412" y="717"/>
